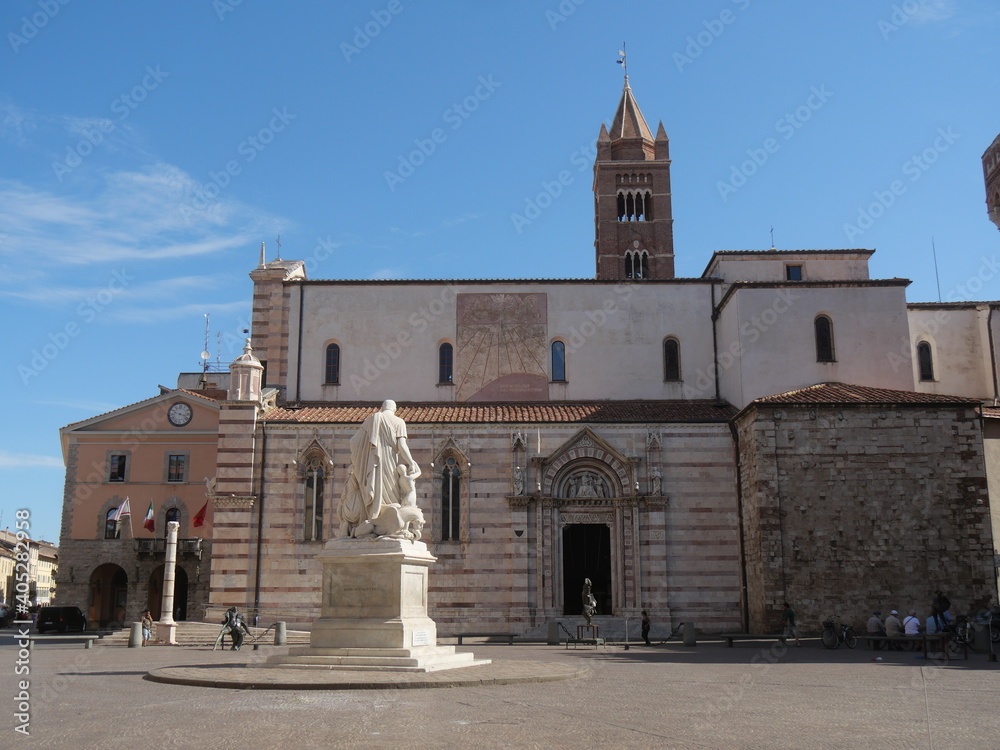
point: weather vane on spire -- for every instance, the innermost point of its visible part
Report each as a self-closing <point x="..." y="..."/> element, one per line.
<point x="622" y="60"/>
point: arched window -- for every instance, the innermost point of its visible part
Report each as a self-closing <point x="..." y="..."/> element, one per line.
<point x="558" y="362"/>
<point x="313" y="490"/>
<point x="925" y="361"/>
<point x="445" y="363"/>
<point x="173" y="514"/>
<point x="824" y="339"/>
<point x="451" y="501"/>
<point x="111" y="527"/>
<point x="671" y="359"/>
<point x="332" y="369"/>
<point x="636" y="264"/>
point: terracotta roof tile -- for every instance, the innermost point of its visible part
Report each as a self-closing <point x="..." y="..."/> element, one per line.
<point x="515" y="413"/>
<point x="844" y="393"/>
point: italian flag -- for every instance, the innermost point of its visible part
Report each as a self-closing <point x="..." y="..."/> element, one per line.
<point x="149" y="523"/>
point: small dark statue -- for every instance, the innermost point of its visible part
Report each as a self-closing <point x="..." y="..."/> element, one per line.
<point x="589" y="602"/>
<point x="235" y="626"/>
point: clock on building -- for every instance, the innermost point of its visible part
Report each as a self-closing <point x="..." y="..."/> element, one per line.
<point x="179" y="414"/>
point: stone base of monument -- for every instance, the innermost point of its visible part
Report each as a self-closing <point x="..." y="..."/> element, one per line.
<point x="374" y="612"/>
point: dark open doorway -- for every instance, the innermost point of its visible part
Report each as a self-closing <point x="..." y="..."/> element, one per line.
<point x="586" y="554"/>
<point x="108" y="596"/>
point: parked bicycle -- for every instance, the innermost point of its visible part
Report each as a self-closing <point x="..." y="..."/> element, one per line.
<point x="833" y="637"/>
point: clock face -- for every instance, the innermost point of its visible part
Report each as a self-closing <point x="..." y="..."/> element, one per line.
<point x="179" y="414"/>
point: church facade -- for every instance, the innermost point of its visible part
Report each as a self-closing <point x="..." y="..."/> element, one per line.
<point x="780" y="428"/>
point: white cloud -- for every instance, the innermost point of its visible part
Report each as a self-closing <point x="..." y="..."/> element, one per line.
<point x="10" y="460"/>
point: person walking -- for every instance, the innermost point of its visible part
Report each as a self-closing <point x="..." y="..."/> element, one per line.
<point x="147" y="627"/>
<point x="645" y="627"/>
<point x="788" y="618"/>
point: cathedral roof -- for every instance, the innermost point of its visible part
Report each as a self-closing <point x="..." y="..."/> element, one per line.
<point x="629" y="122"/>
<point x="845" y="393"/>
<point x="519" y="412"/>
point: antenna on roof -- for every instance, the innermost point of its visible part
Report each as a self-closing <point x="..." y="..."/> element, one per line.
<point x="936" y="277"/>
<point x="278" y="240"/>
<point x="205" y="355"/>
<point x="772" y="238"/>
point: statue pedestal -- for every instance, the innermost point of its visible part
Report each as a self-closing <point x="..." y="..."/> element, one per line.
<point x="374" y="611"/>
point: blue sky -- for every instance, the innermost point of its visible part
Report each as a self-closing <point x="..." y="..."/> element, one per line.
<point x="146" y="149"/>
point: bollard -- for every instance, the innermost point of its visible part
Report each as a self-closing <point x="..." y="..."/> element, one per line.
<point x="689" y="636"/>
<point x="553" y="635"/>
<point x="280" y="638"/>
<point x="135" y="635"/>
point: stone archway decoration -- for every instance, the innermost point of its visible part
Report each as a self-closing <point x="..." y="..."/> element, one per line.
<point x="587" y="467"/>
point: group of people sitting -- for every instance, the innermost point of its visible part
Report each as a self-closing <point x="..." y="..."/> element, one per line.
<point x="937" y="621"/>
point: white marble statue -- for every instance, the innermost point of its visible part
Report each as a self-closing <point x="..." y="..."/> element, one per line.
<point x="380" y="494"/>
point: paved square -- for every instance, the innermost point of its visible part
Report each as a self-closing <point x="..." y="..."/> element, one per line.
<point x="665" y="696"/>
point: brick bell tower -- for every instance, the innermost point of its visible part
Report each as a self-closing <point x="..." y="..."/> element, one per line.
<point x="634" y="221"/>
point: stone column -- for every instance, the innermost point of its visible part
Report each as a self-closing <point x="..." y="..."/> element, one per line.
<point x="169" y="571"/>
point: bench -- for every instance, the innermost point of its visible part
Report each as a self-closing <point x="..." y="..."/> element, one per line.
<point x="509" y="636"/>
<point x="86" y="639"/>
<point x="586" y="642"/>
<point x="730" y="637"/>
<point x="924" y="638"/>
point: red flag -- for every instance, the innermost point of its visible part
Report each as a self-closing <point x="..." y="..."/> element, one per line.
<point x="199" y="517"/>
<point x="149" y="523"/>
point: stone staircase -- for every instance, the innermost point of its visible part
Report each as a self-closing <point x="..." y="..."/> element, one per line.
<point x="204" y="634"/>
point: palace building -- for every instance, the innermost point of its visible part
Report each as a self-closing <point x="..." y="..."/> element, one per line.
<point x="782" y="427"/>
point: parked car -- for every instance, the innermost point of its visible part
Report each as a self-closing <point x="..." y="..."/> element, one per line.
<point x="61" y="619"/>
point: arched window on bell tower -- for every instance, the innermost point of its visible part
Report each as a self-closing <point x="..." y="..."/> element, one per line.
<point x="636" y="264"/>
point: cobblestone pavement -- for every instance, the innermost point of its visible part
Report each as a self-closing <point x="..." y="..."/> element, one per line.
<point x="665" y="696"/>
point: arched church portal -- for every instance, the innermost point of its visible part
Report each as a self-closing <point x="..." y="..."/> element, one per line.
<point x="586" y="554"/>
